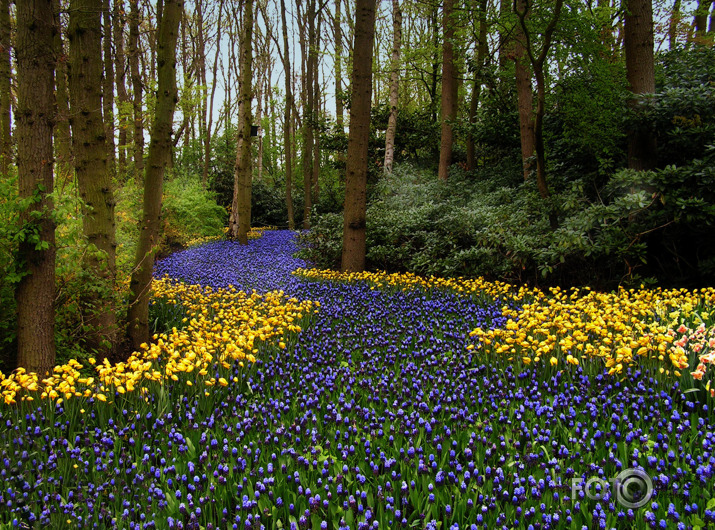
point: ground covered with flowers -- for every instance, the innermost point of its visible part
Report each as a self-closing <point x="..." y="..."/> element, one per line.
<point x="282" y="397"/>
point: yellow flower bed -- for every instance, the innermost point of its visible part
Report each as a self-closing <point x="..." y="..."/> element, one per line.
<point x="406" y="280"/>
<point x="621" y="328"/>
<point x="223" y="326"/>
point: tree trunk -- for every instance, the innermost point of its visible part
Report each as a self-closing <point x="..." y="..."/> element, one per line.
<point x="477" y="86"/>
<point x="394" y="86"/>
<point x="63" y="140"/>
<point x="434" y="24"/>
<point x="137" y="87"/>
<point x="308" y="110"/>
<point x="288" y="121"/>
<point x="505" y="39"/>
<point x="525" y="96"/>
<point x="209" y="132"/>
<point x="159" y="149"/>
<point x="449" y="91"/>
<point x="537" y="63"/>
<point x="353" y="256"/>
<point x="201" y="59"/>
<point x="118" y="23"/>
<point x="315" y="46"/>
<point x="700" y="20"/>
<point x="338" y="33"/>
<point x="673" y="24"/>
<point x="259" y="118"/>
<point x="92" y="170"/>
<point x="640" y="73"/>
<point x="35" y="293"/>
<point x="108" y="88"/>
<point x="240" y="219"/>
<point x="5" y="83"/>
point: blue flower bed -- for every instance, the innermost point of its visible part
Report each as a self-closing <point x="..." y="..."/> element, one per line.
<point x="377" y="415"/>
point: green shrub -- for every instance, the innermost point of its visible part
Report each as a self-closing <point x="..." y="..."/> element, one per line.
<point x="189" y="212"/>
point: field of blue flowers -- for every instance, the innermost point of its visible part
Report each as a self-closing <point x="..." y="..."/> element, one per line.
<point x="376" y="414"/>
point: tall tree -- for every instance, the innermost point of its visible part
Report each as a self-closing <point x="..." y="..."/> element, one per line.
<point x="673" y="24"/>
<point x="159" y="151"/>
<point x="137" y="86"/>
<point x="640" y="73"/>
<point x="240" y="218"/>
<point x="338" y="41"/>
<point x="309" y="54"/>
<point x="479" y="61"/>
<point x="35" y="293"/>
<point x="394" y="86"/>
<point x="537" y="59"/>
<point x="94" y="179"/>
<point x="288" y="119"/>
<point x="315" y="46"/>
<point x="353" y="255"/>
<point x="108" y="86"/>
<point x="120" y="67"/>
<point x="449" y="90"/>
<point x="700" y="20"/>
<point x="524" y="92"/>
<point x="62" y="139"/>
<point x="5" y="83"/>
<point x="209" y="125"/>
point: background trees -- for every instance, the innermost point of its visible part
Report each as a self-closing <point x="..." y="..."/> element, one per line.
<point x="531" y="114"/>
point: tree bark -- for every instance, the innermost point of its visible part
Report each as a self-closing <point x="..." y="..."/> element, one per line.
<point x="394" y="86"/>
<point x="35" y="293"/>
<point x="477" y="86"/>
<point x="525" y="95"/>
<point x="89" y="144"/>
<point x="5" y="84"/>
<point x="159" y="150"/>
<point x="137" y="86"/>
<point x="449" y="91"/>
<point x="240" y="219"/>
<point x="640" y="73"/>
<point x="288" y="121"/>
<point x="353" y="255"/>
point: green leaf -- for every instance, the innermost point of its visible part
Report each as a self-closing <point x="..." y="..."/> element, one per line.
<point x="696" y="521"/>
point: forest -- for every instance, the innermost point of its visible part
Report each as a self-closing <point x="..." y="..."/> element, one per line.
<point x="348" y="263"/>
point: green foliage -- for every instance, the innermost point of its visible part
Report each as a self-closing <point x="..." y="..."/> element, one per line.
<point x="683" y="113"/>
<point x="165" y="314"/>
<point x="10" y="273"/>
<point x="189" y="212"/>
